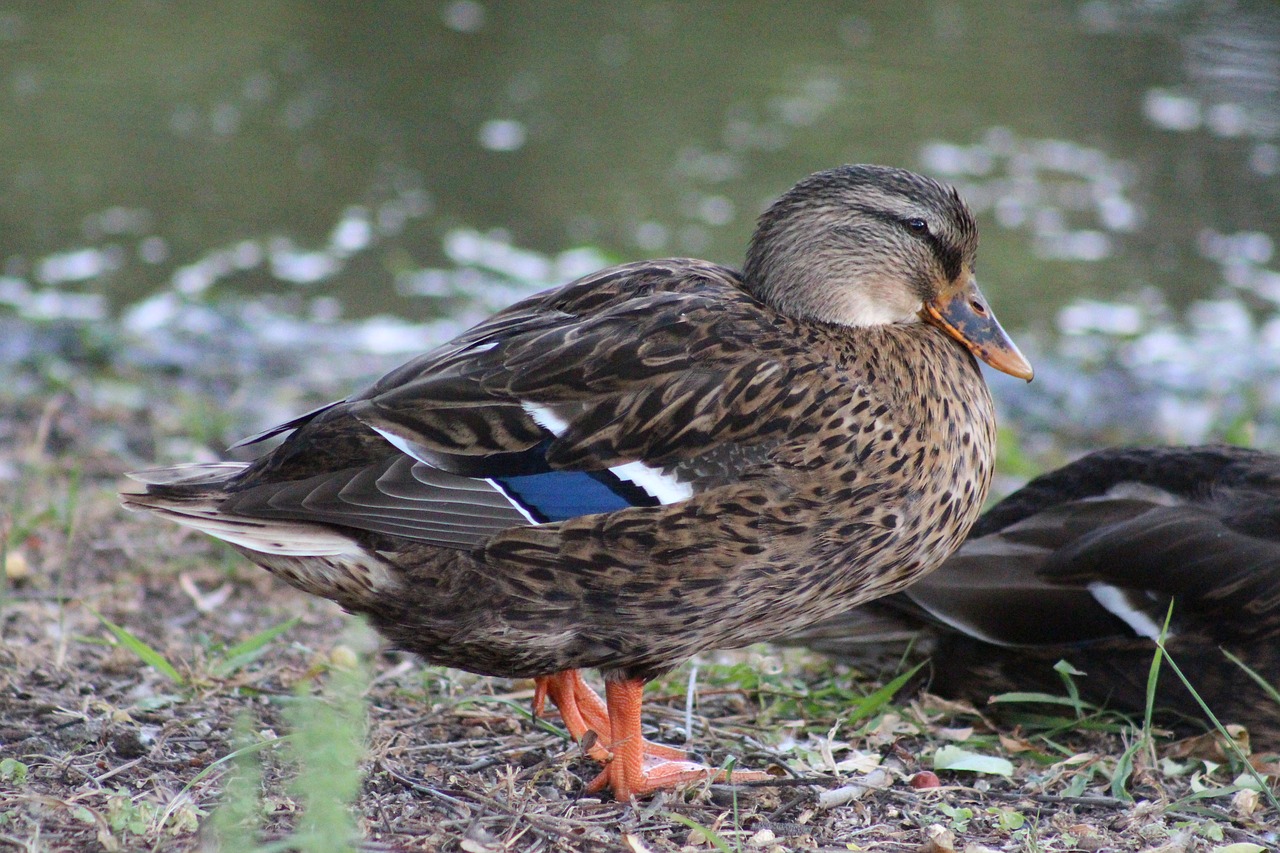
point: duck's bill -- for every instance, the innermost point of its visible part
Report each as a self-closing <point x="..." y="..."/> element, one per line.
<point x="965" y="316"/>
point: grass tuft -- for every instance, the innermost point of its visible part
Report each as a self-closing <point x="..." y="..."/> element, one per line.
<point x="145" y="653"/>
<point x="244" y="653"/>
<point x="327" y="745"/>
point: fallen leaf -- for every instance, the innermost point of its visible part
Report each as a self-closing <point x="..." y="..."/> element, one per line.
<point x="938" y="839"/>
<point x="960" y="735"/>
<point x="1015" y="744"/>
<point x="1245" y="802"/>
<point x="840" y="796"/>
<point x="1209" y="746"/>
<point x="470" y="845"/>
<point x="205" y="602"/>
<point x="954" y="758"/>
<point x="633" y="843"/>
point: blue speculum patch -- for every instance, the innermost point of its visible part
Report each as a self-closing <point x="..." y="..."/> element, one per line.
<point x="561" y="495"/>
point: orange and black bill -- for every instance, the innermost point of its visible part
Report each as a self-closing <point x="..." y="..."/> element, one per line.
<point x="965" y="316"/>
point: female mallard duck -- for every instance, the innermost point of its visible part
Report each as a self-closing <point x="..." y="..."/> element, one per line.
<point x="657" y="459"/>
<point x="1082" y="564"/>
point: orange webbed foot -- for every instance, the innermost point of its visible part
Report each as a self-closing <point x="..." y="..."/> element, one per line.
<point x="634" y="770"/>
<point x="568" y="692"/>
<point x="583" y="711"/>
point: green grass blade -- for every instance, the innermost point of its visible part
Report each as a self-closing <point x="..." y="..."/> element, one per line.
<point x="1262" y="682"/>
<point x="240" y="793"/>
<point x="148" y="655"/>
<point x="710" y="835"/>
<point x="1045" y="699"/>
<point x="1229" y="742"/>
<point x="1206" y="794"/>
<point x="1124" y="770"/>
<point x="330" y="745"/>
<point x="242" y="654"/>
<point x="1153" y="674"/>
<point x="232" y="756"/>
<point x="1065" y="670"/>
<point x="873" y="702"/>
<point x="520" y="709"/>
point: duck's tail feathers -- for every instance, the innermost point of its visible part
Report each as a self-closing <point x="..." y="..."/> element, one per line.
<point x="193" y="475"/>
<point x="192" y="495"/>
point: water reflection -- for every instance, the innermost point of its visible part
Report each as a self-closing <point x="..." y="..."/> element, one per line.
<point x="1037" y="185"/>
<point x="412" y="166"/>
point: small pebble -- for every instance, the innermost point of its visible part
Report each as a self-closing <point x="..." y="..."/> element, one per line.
<point x="925" y="779"/>
<point x="16" y="567"/>
<point x="343" y="657"/>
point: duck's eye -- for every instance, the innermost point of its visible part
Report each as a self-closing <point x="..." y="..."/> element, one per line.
<point x="917" y="225"/>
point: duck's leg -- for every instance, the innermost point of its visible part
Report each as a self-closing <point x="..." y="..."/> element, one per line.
<point x="634" y="770"/>
<point x="582" y="710"/>
<point x="565" y="690"/>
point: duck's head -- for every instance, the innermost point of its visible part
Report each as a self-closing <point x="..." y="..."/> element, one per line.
<point x="872" y="245"/>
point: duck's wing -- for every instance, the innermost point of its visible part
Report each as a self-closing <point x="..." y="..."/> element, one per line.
<point x="1218" y="559"/>
<point x="653" y="362"/>
<point x="993" y="588"/>
<point x="635" y="387"/>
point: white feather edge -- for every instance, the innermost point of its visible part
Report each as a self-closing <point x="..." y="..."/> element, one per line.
<point x="1116" y="601"/>
<point x="659" y="485"/>
<point x="412" y="450"/>
<point x="283" y="539"/>
<point x="546" y="417"/>
<point x="662" y="487"/>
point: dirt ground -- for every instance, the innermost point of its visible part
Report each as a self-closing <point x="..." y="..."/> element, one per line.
<point x="101" y="750"/>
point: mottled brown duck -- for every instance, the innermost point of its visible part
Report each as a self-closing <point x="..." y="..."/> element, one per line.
<point x="1083" y="563"/>
<point x="657" y="459"/>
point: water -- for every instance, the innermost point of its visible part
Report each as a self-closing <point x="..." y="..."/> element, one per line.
<point x="369" y="177"/>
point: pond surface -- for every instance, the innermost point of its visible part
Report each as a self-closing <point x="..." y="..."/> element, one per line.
<point x="283" y="173"/>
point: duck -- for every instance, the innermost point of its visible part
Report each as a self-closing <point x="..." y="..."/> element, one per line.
<point x="657" y="459"/>
<point x="1094" y="562"/>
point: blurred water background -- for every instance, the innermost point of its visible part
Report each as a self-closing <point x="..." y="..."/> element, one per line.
<point x="265" y="204"/>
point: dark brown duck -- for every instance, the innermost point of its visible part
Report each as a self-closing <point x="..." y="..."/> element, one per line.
<point x="657" y="459"/>
<point x="1083" y="564"/>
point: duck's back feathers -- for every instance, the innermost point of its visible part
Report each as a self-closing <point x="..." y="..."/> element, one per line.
<point x="657" y="363"/>
<point x="673" y="363"/>
<point x="634" y="387"/>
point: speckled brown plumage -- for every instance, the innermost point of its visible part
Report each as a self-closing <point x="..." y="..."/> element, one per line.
<point x="1083" y="564"/>
<point x="788" y="443"/>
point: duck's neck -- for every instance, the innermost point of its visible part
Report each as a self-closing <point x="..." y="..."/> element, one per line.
<point x="913" y="365"/>
<point x="936" y="392"/>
